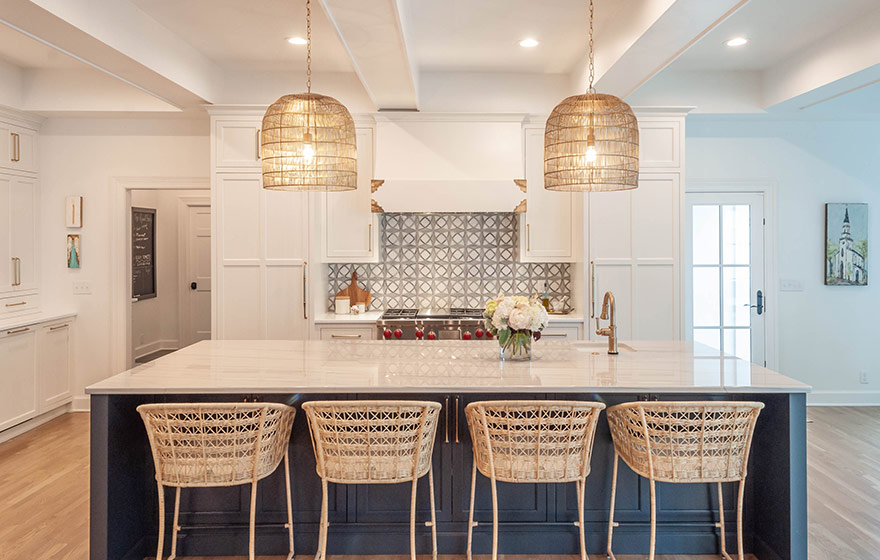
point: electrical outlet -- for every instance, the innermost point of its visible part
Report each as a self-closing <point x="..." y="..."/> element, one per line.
<point x="789" y="285"/>
<point x="81" y="288"/>
<point x="863" y="377"/>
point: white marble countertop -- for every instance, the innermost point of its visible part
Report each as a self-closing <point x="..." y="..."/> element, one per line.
<point x="373" y="316"/>
<point x="275" y="366"/>
<point x="34" y="319"/>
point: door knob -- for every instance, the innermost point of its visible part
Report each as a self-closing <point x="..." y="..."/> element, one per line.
<point x="760" y="306"/>
<point x="193" y="286"/>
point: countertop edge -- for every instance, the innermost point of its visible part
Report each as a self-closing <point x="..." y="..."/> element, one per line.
<point x="35" y="319"/>
<point x="446" y="390"/>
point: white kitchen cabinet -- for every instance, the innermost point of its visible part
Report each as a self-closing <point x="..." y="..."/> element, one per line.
<point x="18" y="377"/>
<point x="634" y="247"/>
<point x="562" y="332"/>
<point x="349" y="228"/>
<point x="237" y="143"/>
<point x="546" y="228"/>
<point x="19" y="236"/>
<point x="54" y="365"/>
<point x="18" y="148"/>
<point x="360" y="332"/>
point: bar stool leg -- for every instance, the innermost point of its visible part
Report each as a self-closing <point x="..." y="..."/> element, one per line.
<point x="721" y="526"/>
<point x="471" y="523"/>
<point x="581" y="486"/>
<point x="253" y="520"/>
<point x="611" y="523"/>
<point x="176" y="526"/>
<point x="739" y="519"/>
<point x="322" y="535"/>
<point x="653" y="520"/>
<point x="433" y="513"/>
<point x="494" y="517"/>
<point x="161" y="521"/>
<point x="412" y="520"/>
<point x="289" y="504"/>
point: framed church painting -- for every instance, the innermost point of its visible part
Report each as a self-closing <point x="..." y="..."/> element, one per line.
<point x="846" y="244"/>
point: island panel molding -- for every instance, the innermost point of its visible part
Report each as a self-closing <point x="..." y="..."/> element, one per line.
<point x="450" y="260"/>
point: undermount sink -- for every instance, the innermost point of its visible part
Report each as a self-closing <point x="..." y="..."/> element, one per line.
<point x="600" y="346"/>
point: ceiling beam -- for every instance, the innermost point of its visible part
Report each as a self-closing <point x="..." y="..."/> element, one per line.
<point x="117" y="38"/>
<point x="373" y="33"/>
<point x="663" y="32"/>
<point x="843" y="61"/>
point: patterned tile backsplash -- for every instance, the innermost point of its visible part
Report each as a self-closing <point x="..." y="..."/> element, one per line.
<point x="450" y="260"/>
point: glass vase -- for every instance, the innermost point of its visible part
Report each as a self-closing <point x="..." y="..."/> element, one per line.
<point x="517" y="347"/>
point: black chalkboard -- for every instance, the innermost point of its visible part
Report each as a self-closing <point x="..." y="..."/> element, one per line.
<point x="143" y="253"/>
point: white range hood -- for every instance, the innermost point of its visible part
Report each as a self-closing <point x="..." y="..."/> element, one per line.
<point x="448" y="162"/>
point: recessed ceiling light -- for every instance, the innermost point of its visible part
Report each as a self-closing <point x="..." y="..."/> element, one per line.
<point x="296" y="41"/>
<point x="736" y="42"/>
<point x="528" y="43"/>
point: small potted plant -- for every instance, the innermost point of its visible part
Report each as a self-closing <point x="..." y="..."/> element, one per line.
<point x="515" y="321"/>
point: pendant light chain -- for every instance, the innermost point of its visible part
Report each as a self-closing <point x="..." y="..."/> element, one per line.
<point x="309" y="46"/>
<point x="592" y="64"/>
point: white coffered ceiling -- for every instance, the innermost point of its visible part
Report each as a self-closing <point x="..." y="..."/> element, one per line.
<point x="804" y="56"/>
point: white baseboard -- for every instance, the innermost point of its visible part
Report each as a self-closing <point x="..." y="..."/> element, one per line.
<point x="19" y="429"/>
<point x="843" y="398"/>
<point x="81" y="403"/>
<point x="155" y="346"/>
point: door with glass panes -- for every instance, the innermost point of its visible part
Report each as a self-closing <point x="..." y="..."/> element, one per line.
<point x="726" y="304"/>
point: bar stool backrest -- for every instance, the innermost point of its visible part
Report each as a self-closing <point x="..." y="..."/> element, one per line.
<point x="533" y="441"/>
<point x="216" y="444"/>
<point x="685" y="441"/>
<point x="379" y="442"/>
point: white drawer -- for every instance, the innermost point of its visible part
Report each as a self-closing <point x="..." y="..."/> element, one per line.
<point x="19" y="304"/>
<point x="348" y="333"/>
<point x="561" y="333"/>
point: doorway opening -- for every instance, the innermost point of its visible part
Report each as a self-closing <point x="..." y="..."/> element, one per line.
<point x="170" y="272"/>
<point x="730" y="301"/>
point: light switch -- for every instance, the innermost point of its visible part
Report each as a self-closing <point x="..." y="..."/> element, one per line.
<point x="81" y="288"/>
<point x="789" y="285"/>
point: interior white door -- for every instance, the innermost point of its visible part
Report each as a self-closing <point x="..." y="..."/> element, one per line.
<point x="198" y="273"/>
<point x="726" y="306"/>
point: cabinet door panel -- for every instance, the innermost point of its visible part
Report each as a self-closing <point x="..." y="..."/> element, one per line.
<point x="516" y="502"/>
<point x="23" y="200"/>
<point x="286" y="221"/>
<point x="240" y="216"/>
<point x="240" y="303"/>
<point x="6" y="265"/>
<point x="546" y="226"/>
<point x="237" y="144"/>
<point x="18" y="399"/>
<point x="27" y="150"/>
<point x="284" y="305"/>
<point x="54" y="370"/>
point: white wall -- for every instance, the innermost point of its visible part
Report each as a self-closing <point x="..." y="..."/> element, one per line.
<point x="827" y="335"/>
<point x="81" y="157"/>
<point x="155" y="321"/>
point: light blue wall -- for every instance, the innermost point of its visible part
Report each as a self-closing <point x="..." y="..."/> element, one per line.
<point x="827" y="335"/>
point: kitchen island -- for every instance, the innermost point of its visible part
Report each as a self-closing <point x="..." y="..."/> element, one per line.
<point x="535" y="518"/>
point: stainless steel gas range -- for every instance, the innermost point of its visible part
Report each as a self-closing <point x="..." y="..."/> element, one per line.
<point x="432" y="324"/>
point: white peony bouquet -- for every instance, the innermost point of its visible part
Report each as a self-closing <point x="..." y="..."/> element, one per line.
<point x="515" y="320"/>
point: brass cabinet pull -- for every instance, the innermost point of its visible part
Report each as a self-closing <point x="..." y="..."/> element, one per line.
<point x="305" y="286"/>
<point x="16" y="331"/>
<point x="59" y="327"/>
<point x="446" y="427"/>
<point x="456" y="419"/>
<point x="16" y="146"/>
<point x="16" y="304"/>
<point x="528" y="237"/>
<point x="345" y="336"/>
<point x="554" y="334"/>
<point x="17" y="271"/>
<point x="258" y="145"/>
<point x="592" y="289"/>
<point x="370" y="236"/>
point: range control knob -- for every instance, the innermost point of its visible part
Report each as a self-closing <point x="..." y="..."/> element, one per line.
<point x="488" y="334"/>
<point x="431" y="335"/>
<point x="387" y="333"/>
<point x="466" y="335"/>
<point x="398" y="333"/>
<point x="479" y="333"/>
<point x="420" y="333"/>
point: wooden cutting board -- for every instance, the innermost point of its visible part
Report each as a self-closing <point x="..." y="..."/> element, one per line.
<point x="355" y="293"/>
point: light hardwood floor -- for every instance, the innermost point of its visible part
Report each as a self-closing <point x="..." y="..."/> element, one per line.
<point x="44" y="484"/>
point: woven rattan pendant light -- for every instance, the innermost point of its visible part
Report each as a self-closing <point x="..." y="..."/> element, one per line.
<point x="591" y="142"/>
<point x="308" y="140"/>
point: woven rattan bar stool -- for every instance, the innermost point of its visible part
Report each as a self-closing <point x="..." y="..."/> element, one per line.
<point x="531" y="441"/>
<point x="374" y="442"/>
<point x="684" y="442"/>
<point x="198" y="445"/>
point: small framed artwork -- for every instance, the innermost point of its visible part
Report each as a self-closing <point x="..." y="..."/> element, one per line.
<point x="846" y="244"/>
<point x="73" y="211"/>
<point x="73" y="256"/>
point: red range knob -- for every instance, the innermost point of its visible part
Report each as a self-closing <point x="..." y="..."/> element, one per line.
<point x="431" y="335"/>
<point x="387" y="333"/>
<point x="398" y="333"/>
<point x="420" y="333"/>
<point x="479" y="333"/>
<point x="488" y="334"/>
<point x="466" y="335"/>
